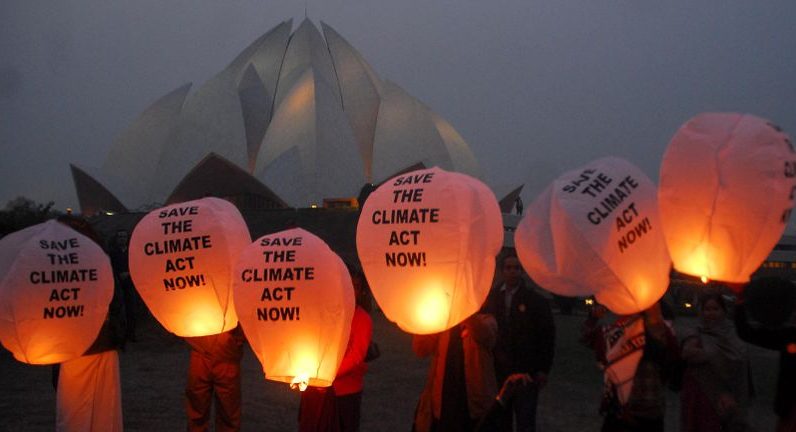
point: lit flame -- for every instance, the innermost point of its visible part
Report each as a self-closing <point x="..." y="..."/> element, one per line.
<point x="688" y="305"/>
<point x="300" y="382"/>
<point x="698" y="261"/>
<point x="704" y="279"/>
<point x="589" y="302"/>
<point x="432" y="310"/>
<point x="202" y="319"/>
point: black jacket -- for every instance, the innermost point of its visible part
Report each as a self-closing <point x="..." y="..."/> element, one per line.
<point x="526" y="338"/>
<point x="782" y="339"/>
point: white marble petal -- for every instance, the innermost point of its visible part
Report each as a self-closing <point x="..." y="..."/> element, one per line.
<point x="359" y="86"/>
<point x="135" y="152"/>
<point x="405" y="135"/>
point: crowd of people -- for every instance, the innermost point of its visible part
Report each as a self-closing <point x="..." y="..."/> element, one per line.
<point x="485" y="373"/>
<point x="709" y="365"/>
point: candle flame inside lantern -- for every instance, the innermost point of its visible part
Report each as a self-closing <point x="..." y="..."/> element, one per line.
<point x="300" y="382"/>
<point x="433" y="309"/>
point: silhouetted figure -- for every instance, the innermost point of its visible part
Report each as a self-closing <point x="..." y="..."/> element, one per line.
<point x="119" y="254"/>
<point x="526" y="339"/>
<point x="461" y="385"/>
<point x="780" y="337"/>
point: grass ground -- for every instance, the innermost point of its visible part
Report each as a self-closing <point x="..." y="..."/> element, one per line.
<point x="154" y="374"/>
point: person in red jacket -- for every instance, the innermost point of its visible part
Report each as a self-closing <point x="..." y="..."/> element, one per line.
<point x="350" y="376"/>
<point x="337" y="408"/>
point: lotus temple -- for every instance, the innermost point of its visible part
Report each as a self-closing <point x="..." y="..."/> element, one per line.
<point x="297" y="120"/>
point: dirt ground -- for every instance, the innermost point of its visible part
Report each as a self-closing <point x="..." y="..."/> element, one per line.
<point x="154" y="374"/>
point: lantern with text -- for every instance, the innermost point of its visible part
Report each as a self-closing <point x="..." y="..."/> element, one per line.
<point x="596" y="230"/>
<point x="54" y="293"/>
<point x="181" y="262"/>
<point x="427" y="241"/>
<point x="295" y="302"/>
<point x="726" y="193"/>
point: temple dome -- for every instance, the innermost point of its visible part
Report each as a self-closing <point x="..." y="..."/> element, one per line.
<point x="298" y="111"/>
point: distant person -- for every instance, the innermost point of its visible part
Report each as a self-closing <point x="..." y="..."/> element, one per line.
<point x="780" y="337"/>
<point x="461" y="385"/>
<point x="214" y="374"/>
<point x="518" y="205"/>
<point x="636" y="353"/>
<point x="119" y="253"/>
<point x="716" y="379"/>
<point x="89" y="395"/>
<point x="526" y="339"/>
<point x="338" y="408"/>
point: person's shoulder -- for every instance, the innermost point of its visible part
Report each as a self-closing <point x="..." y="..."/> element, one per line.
<point x="532" y="291"/>
<point x="360" y="314"/>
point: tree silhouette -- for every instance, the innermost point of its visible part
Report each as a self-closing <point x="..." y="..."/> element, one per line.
<point x="22" y="212"/>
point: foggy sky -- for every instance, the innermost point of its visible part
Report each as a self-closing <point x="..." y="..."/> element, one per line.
<point x="535" y="87"/>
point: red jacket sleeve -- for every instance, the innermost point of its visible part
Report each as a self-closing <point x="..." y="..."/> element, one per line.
<point x="358" y="342"/>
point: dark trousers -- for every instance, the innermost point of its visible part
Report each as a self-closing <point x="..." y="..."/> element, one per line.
<point x="522" y="410"/>
<point x="318" y="410"/>
<point x="208" y="380"/>
<point x="615" y="424"/>
<point x="349" y="408"/>
<point x="788" y="422"/>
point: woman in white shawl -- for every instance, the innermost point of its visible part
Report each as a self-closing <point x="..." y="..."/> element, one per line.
<point x="716" y="381"/>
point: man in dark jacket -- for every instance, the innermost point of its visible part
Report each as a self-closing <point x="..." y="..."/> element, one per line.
<point x="780" y="338"/>
<point x="526" y="339"/>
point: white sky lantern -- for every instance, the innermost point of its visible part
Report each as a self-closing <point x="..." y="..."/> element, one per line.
<point x="726" y="193"/>
<point x="295" y="302"/>
<point x="427" y="241"/>
<point x="596" y="230"/>
<point x="54" y="293"/>
<point x="181" y="261"/>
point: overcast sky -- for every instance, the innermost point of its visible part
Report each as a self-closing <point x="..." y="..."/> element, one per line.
<point x="535" y="87"/>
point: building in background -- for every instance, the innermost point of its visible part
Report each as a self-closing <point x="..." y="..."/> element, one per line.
<point x="297" y="117"/>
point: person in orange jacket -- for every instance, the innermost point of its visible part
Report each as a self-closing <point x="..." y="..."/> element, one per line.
<point x="214" y="373"/>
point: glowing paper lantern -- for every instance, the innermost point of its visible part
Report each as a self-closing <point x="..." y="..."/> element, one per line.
<point x="596" y="230"/>
<point x="295" y="302"/>
<point x="54" y="293"/>
<point x="181" y="262"/>
<point x="726" y="193"/>
<point x="427" y="241"/>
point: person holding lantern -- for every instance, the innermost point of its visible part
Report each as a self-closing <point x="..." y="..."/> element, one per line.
<point x="461" y="385"/>
<point x="526" y="339"/>
<point x="89" y="396"/>
<point x="778" y="334"/>
<point x="337" y="408"/>
<point x="716" y="382"/>
<point x="214" y="373"/>
<point x="636" y="353"/>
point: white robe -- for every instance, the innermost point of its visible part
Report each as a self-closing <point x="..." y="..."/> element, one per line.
<point x="89" y="395"/>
